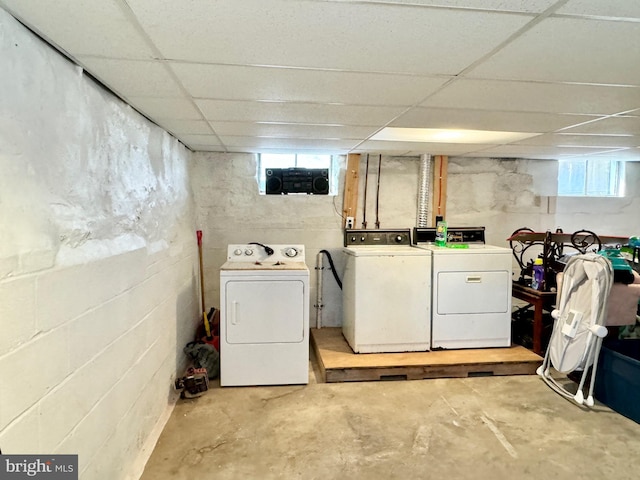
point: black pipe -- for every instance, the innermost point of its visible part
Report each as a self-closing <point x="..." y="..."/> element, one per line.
<point x="378" y="192"/>
<point x="333" y="268"/>
<point x="364" y="208"/>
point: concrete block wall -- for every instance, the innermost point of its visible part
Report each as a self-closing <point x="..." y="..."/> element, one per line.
<point x="500" y="194"/>
<point x="230" y="210"/>
<point x="98" y="265"/>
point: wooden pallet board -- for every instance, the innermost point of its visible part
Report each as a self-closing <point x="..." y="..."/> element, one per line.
<point x="338" y="363"/>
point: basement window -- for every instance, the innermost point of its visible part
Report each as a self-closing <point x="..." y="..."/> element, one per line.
<point x="314" y="170"/>
<point x="591" y="178"/>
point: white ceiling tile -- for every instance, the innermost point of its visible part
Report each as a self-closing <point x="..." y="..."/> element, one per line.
<point x="307" y="108"/>
<point x="258" y="83"/>
<point x="535" y="97"/>
<point x="210" y="140"/>
<point x="628" y="155"/>
<point x="564" y="49"/>
<point x="421" y="117"/>
<point x="537" y="151"/>
<point x="318" y="145"/>
<point x="262" y="149"/>
<point x="397" y="153"/>
<point x="621" y="125"/>
<point x="389" y="38"/>
<point x="599" y="8"/>
<point x="133" y="78"/>
<point x="525" y="6"/>
<point x="209" y="148"/>
<point x="587" y="141"/>
<point x="291" y="130"/>
<point x="250" y="111"/>
<point x="84" y="28"/>
<point x="195" y="127"/>
<point x="164" y="107"/>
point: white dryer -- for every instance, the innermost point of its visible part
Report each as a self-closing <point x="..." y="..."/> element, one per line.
<point x="264" y="316"/>
<point x="386" y="292"/>
<point x="471" y="300"/>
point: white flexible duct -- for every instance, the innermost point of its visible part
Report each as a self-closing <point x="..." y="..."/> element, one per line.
<point x="422" y="219"/>
<point x="318" y="304"/>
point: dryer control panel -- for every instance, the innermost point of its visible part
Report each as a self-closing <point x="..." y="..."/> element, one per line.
<point x="257" y="252"/>
<point x="401" y="236"/>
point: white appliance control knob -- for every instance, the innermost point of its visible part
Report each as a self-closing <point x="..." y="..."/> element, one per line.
<point x="237" y="251"/>
<point x="398" y="238"/>
<point x="248" y="252"/>
<point x="291" y="252"/>
<point x="362" y="239"/>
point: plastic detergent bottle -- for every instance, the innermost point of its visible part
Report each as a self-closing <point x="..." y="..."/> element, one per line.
<point x="538" y="274"/>
<point x="441" y="233"/>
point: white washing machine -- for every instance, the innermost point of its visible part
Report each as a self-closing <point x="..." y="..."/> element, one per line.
<point x="264" y="316"/>
<point x="471" y="301"/>
<point x="385" y="291"/>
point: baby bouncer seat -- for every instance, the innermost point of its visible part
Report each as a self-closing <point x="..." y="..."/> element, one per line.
<point x="578" y="327"/>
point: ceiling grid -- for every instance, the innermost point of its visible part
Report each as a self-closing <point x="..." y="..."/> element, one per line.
<point x="327" y="75"/>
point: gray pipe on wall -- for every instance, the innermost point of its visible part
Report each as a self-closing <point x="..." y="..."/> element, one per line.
<point x="424" y="180"/>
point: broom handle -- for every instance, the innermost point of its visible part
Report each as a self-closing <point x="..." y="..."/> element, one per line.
<point x="199" y="234"/>
<point x="205" y="320"/>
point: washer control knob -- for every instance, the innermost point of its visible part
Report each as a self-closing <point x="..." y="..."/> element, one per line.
<point x="353" y="238"/>
<point x="399" y="238"/>
<point x="362" y="238"/>
<point x="248" y="252"/>
<point x="237" y="251"/>
<point x="291" y="252"/>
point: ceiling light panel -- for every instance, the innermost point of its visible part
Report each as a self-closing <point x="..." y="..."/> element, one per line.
<point x="424" y="147"/>
<point x="436" y="135"/>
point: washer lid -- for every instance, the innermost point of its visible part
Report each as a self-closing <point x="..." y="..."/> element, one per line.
<point x="385" y="250"/>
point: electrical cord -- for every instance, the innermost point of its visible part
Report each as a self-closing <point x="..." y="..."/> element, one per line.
<point x="333" y="268"/>
<point x="268" y="250"/>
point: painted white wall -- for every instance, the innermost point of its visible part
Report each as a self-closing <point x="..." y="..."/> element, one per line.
<point x="98" y="265"/>
<point x="616" y="216"/>
<point x="500" y="194"/>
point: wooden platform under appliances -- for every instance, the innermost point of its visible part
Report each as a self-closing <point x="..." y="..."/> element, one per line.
<point x="338" y="363"/>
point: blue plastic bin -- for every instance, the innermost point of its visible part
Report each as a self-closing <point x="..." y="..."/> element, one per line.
<point x="618" y="377"/>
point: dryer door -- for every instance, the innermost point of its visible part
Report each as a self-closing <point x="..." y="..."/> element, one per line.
<point x="264" y="311"/>
<point x="473" y="292"/>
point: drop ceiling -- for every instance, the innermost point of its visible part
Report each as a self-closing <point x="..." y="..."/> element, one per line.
<point x="327" y="75"/>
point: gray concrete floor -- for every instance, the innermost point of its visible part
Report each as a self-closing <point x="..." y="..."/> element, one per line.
<point x="490" y="427"/>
